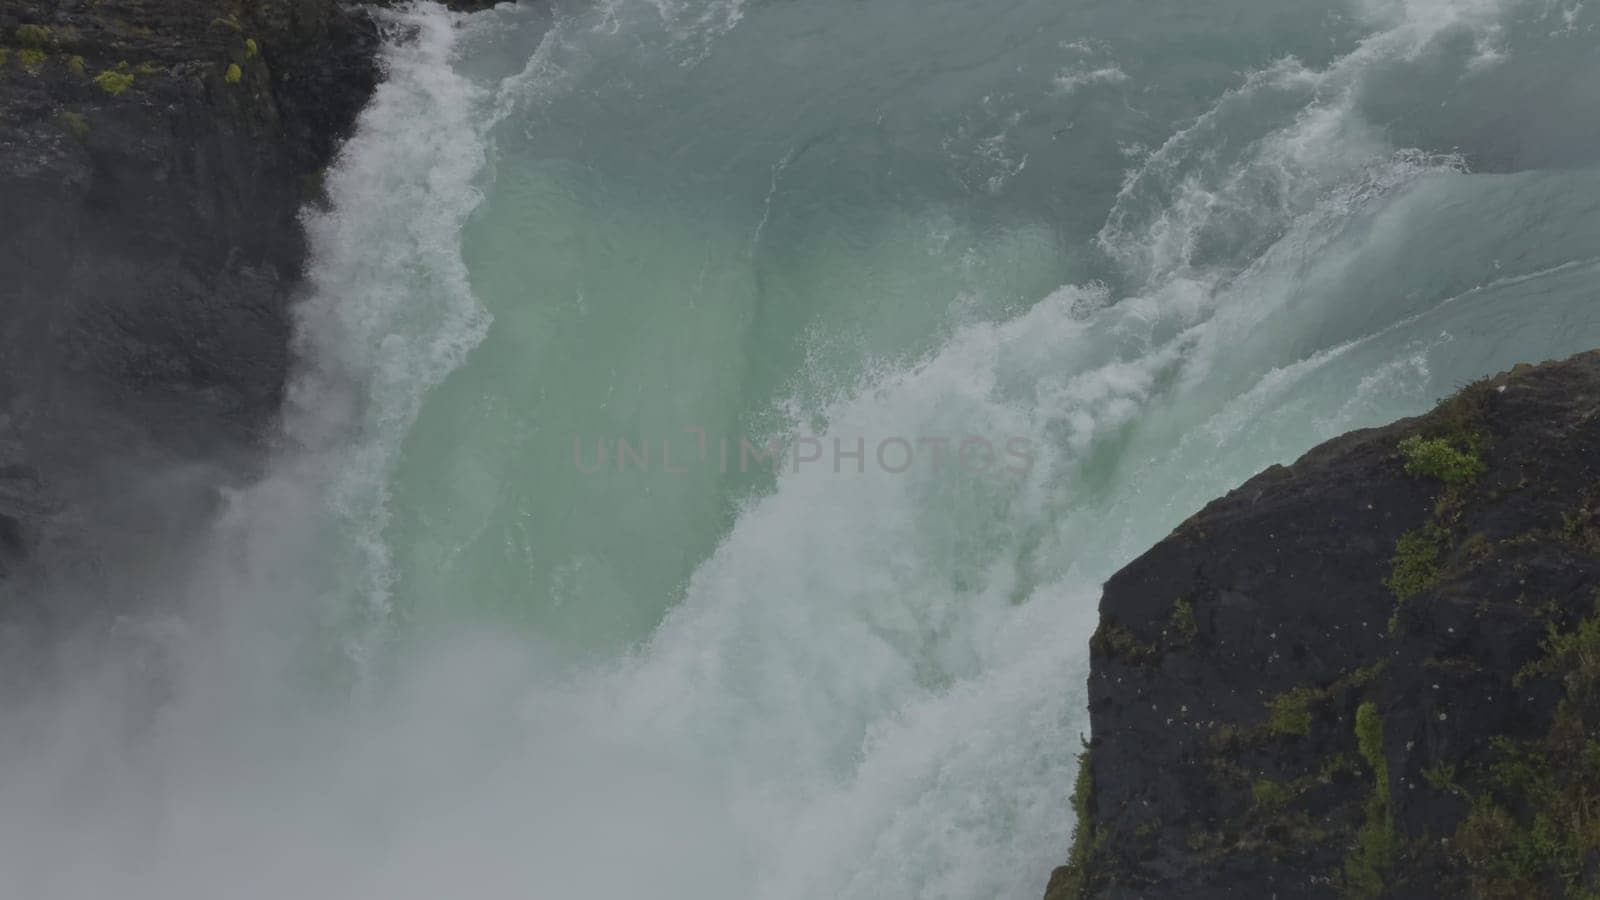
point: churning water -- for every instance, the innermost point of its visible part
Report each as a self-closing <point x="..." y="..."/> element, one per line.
<point x="1060" y="272"/>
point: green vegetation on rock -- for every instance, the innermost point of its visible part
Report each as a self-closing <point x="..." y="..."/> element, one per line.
<point x="1369" y="741"/>
<point x="1377" y="845"/>
<point x="1182" y="619"/>
<point x="1534" y="828"/>
<point x="1117" y="641"/>
<point x="37" y="36"/>
<point x="1269" y="794"/>
<point x="1073" y="880"/>
<point x="1458" y="758"/>
<point x="233" y="74"/>
<point x="43" y="38"/>
<point x="1290" y="712"/>
<point x="1442" y="778"/>
<point x="1415" y="567"/>
<point x="1449" y="449"/>
<point x="31" y="60"/>
<point x="74" y="123"/>
<point x="1573" y="655"/>
<point x="114" y="82"/>
<point x="1438" y="458"/>
<point x="1581" y="527"/>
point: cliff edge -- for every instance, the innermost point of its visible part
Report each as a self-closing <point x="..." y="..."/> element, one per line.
<point x="154" y="158"/>
<point x="1373" y="673"/>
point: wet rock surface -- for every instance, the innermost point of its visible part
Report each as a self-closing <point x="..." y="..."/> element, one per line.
<point x="1375" y="672"/>
<point x="154" y="158"/>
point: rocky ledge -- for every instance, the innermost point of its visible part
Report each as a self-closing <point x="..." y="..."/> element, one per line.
<point x="1373" y="673"/>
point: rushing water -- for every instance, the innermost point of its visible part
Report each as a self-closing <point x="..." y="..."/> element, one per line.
<point x="1139" y="251"/>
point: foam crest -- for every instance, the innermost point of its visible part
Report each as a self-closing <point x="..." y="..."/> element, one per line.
<point x="391" y="311"/>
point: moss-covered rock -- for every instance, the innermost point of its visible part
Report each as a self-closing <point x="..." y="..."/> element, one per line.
<point x="1385" y="679"/>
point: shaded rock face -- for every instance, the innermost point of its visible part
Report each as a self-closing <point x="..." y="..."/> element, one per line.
<point x="154" y="157"/>
<point x="1373" y="673"/>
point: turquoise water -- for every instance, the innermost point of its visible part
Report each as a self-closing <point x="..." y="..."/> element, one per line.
<point x="1139" y="253"/>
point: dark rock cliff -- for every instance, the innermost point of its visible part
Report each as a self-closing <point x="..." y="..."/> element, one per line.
<point x="1375" y="672"/>
<point x="154" y="156"/>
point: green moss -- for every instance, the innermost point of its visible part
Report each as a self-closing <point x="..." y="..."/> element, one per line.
<point x="1289" y="713"/>
<point x="1415" y="566"/>
<point x="233" y="74"/>
<point x="1534" y="827"/>
<point x="1460" y="419"/>
<point x="251" y="49"/>
<point x="1442" y="778"/>
<point x="124" y="27"/>
<point x="1082" y="790"/>
<point x="1369" y="741"/>
<point x="1364" y="675"/>
<point x="1269" y="794"/>
<point x="1509" y="856"/>
<point x="1182" y="619"/>
<point x="1331" y="768"/>
<point x="1377" y="845"/>
<point x="45" y="37"/>
<point x="1273" y="827"/>
<point x="1117" y="641"/>
<point x="150" y="68"/>
<point x="75" y="65"/>
<point x="31" y="60"/>
<point x="228" y="22"/>
<point x="1513" y="860"/>
<point x="114" y="82"/>
<point x="1366" y="867"/>
<point x="36" y="36"/>
<point x="1573" y="654"/>
<point x="1581" y="528"/>
<point x="74" y="123"/>
<point x="1438" y="458"/>
<point x="1075" y="879"/>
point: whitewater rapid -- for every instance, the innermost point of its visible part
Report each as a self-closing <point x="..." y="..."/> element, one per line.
<point x="429" y="656"/>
